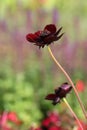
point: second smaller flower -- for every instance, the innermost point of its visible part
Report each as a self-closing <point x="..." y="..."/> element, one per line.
<point x="59" y="93"/>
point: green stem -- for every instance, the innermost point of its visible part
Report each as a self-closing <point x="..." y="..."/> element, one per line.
<point x="69" y="79"/>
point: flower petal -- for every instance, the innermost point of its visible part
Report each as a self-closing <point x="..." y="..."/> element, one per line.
<point x="66" y="87"/>
<point x="63" y="90"/>
<point x="32" y="37"/>
<point x="59" y="30"/>
<point x="38" y="33"/>
<point x="50" y="96"/>
<point x="51" y="28"/>
<point x="56" y="100"/>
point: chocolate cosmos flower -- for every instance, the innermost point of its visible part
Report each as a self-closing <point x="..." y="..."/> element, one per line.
<point x="59" y="94"/>
<point x="46" y="36"/>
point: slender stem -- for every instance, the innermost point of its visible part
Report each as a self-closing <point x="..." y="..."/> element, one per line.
<point x="73" y="113"/>
<point x="69" y="79"/>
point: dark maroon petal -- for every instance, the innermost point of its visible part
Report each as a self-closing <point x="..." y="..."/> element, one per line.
<point x="56" y="100"/>
<point x="31" y="37"/>
<point x="38" y="33"/>
<point x="49" y="39"/>
<point x="63" y="90"/>
<point x="51" y="28"/>
<point x="57" y="90"/>
<point x="66" y="87"/>
<point x="50" y="96"/>
<point x="57" y="38"/>
<point x="59" y="30"/>
<point x="39" y="44"/>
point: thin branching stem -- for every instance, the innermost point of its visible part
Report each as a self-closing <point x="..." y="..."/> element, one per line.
<point x="69" y="79"/>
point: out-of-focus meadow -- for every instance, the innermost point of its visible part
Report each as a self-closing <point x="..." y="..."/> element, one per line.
<point x="27" y="73"/>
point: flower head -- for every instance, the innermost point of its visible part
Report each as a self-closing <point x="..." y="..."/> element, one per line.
<point x="46" y="36"/>
<point x="59" y="94"/>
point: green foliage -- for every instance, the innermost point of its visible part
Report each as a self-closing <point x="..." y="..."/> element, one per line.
<point x="24" y="92"/>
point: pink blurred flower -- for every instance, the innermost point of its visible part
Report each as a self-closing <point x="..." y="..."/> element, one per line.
<point x="3" y="118"/>
<point x="6" y="128"/>
<point x="80" y="86"/>
<point x="12" y="116"/>
<point x="52" y="118"/>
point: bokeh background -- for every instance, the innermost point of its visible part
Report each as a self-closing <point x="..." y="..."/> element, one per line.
<point x="28" y="74"/>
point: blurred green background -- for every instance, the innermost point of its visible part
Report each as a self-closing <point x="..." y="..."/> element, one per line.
<point x="28" y="74"/>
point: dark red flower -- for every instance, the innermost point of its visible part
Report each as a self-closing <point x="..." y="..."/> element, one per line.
<point x="46" y="36"/>
<point x="60" y="93"/>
